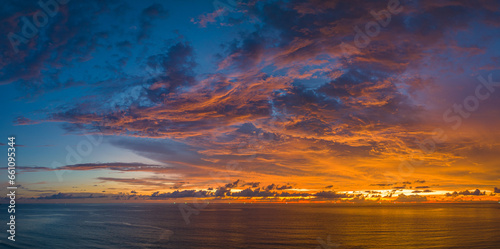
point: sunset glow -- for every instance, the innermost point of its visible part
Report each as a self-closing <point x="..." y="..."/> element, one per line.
<point x="258" y="101"/>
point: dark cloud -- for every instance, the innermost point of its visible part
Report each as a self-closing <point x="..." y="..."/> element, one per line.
<point x="466" y="192"/>
<point x="109" y="166"/>
<point x="266" y="193"/>
<point x="331" y="195"/>
<point x="283" y="187"/>
<point x="254" y="193"/>
<point x="422" y="187"/>
<point x="180" y="194"/>
<point x="222" y="192"/>
<point x="64" y="40"/>
<point x="178" y="185"/>
<point x="69" y="196"/>
<point x="410" y="198"/>
<point x="382" y="184"/>
<point x="147" y="17"/>
<point x="174" y="69"/>
<point x="252" y="184"/>
<point x="475" y="192"/>
<point x="233" y="185"/>
<point x="245" y="53"/>
<point x="270" y="187"/>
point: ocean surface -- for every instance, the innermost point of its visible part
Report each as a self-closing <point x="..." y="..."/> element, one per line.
<point x="256" y="226"/>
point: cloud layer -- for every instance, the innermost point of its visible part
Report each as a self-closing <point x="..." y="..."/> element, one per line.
<point x="309" y="93"/>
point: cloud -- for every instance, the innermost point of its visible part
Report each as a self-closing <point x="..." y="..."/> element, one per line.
<point x="252" y="184"/>
<point x="147" y="17"/>
<point x="331" y="195"/>
<point x="205" y="19"/>
<point x="382" y="184"/>
<point x="283" y="99"/>
<point x="69" y="196"/>
<point x="151" y="181"/>
<point x="266" y="193"/>
<point x="283" y="187"/>
<point x="228" y="191"/>
<point x="178" y="185"/>
<point x="466" y="192"/>
<point x="24" y="121"/>
<point x="233" y="185"/>
<point x="254" y="193"/>
<point x="119" y="166"/>
<point x="167" y="151"/>
<point x="422" y="187"/>
<point x="180" y="194"/>
<point x="174" y="69"/>
<point x="411" y="198"/>
<point x="64" y="40"/>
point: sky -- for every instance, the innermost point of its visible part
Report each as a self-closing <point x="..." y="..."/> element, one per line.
<point x="269" y="100"/>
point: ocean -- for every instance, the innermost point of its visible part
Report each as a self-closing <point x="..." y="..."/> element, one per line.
<point x="255" y="225"/>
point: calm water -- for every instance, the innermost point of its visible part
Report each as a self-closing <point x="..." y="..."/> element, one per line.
<point x="257" y="226"/>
